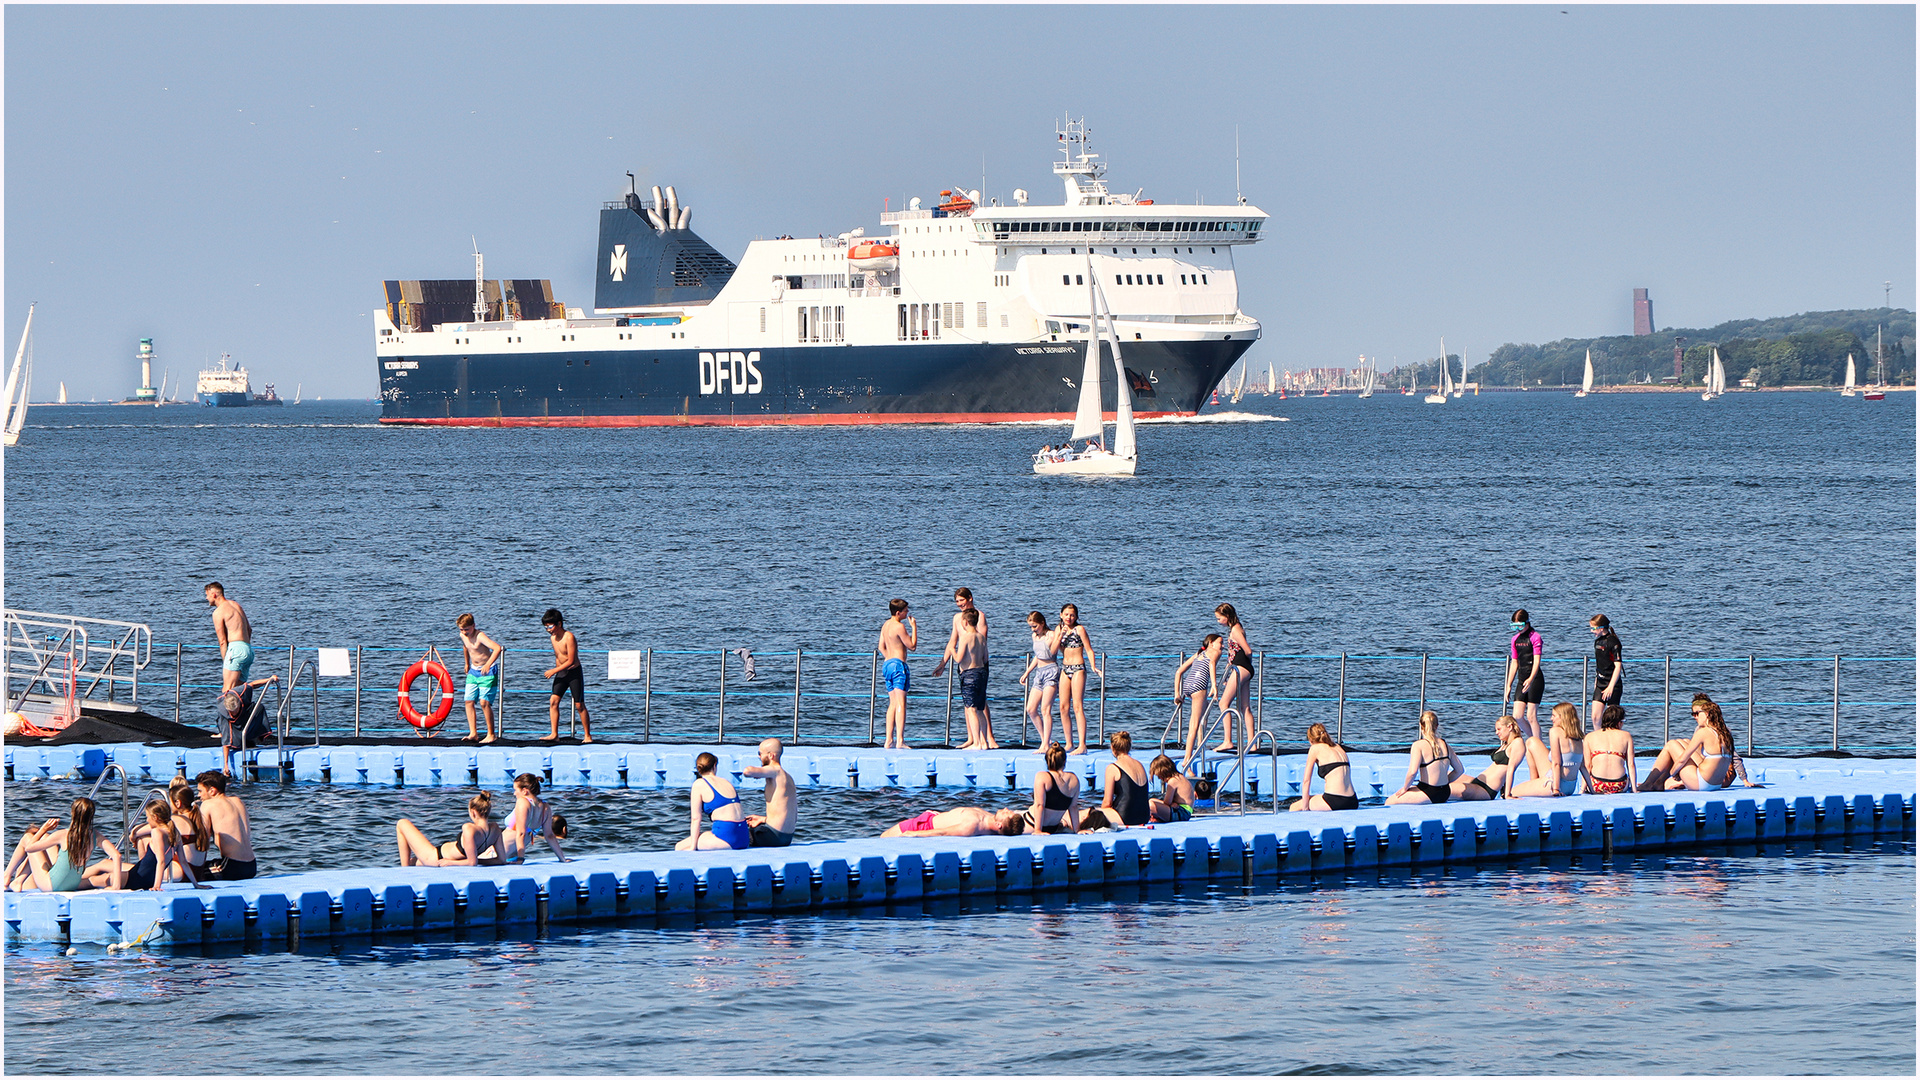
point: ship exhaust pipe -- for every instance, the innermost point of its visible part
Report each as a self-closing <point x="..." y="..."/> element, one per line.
<point x="654" y="211"/>
<point x="672" y="208"/>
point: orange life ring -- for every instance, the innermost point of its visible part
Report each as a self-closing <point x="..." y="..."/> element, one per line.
<point x="412" y="715"/>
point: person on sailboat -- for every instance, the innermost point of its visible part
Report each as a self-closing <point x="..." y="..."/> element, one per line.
<point x="1606" y="667"/>
<point x="1523" y="664"/>
<point x="1197" y="677"/>
<point x="1238" y="683"/>
<point x="1042" y="677"/>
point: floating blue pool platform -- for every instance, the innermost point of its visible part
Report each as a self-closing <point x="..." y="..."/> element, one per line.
<point x="1836" y="801"/>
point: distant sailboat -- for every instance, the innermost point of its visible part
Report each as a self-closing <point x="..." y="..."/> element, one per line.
<point x="63" y="393"/>
<point x="1716" y="378"/>
<point x="19" y="386"/>
<point x="296" y="392"/>
<point x="1459" y="389"/>
<point x="1586" y="380"/>
<point x="1087" y="424"/>
<point x="1272" y="384"/>
<point x="1240" y="388"/>
<point x="1847" y="390"/>
<point x="1366" y="379"/>
<point x="1444" y="384"/>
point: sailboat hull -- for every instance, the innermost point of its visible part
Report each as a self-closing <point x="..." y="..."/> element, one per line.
<point x="1436" y="399"/>
<point x="1094" y="464"/>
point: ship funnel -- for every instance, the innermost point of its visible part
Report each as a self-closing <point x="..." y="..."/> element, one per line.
<point x="685" y="218"/>
<point x="633" y="194"/>
<point x="672" y="210"/>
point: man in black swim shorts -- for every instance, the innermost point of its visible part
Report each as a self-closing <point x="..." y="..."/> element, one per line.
<point x="567" y="675"/>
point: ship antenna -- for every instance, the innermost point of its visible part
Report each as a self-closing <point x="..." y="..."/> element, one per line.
<point x="479" y="283"/>
<point x="1237" y="197"/>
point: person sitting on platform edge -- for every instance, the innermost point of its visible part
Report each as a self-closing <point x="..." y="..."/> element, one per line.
<point x="1497" y="778"/>
<point x="1611" y="739"/>
<point x="1056" y="796"/>
<point x="228" y="829"/>
<point x="1703" y="763"/>
<point x="63" y="871"/>
<point x="713" y="794"/>
<point x="776" y="829"/>
<point x="961" y="821"/>
<point x="531" y="817"/>
<point x="1127" y="796"/>
<point x="1328" y="758"/>
<point x="1432" y="766"/>
<point x="479" y="843"/>
<point x="1177" y="794"/>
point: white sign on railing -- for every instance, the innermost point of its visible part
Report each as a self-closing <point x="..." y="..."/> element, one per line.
<point x="623" y="665"/>
<point x="336" y="663"/>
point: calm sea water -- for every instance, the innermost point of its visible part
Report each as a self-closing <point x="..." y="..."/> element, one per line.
<point x="1773" y="525"/>
<point x="1777" y="525"/>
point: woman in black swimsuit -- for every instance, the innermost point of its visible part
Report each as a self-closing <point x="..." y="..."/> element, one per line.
<point x="1336" y="774"/>
<point x="1125" y="802"/>
<point x="477" y="836"/>
<point x="1432" y="766"/>
<point x="1056" y="796"/>
<point x="1497" y="779"/>
<point x="1238" y="681"/>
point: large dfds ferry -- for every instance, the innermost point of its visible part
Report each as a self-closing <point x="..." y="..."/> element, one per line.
<point x="961" y="313"/>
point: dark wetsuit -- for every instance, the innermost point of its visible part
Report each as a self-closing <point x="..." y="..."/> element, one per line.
<point x="1606" y="655"/>
<point x="1522" y="649"/>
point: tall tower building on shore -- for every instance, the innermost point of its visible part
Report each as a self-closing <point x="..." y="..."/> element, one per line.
<point x="146" y="390"/>
<point x="1642" y="313"/>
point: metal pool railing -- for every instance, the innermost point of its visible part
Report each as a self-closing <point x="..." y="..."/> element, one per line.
<point x="1784" y="704"/>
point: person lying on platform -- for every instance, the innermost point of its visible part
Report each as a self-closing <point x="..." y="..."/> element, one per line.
<point x="961" y="821"/>
<point x="479" y="842"/>
<point x="1177" y="795"/>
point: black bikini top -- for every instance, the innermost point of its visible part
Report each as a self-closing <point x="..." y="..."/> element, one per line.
<point x="1329" y="766"/>
<point x="1500" y="756"/>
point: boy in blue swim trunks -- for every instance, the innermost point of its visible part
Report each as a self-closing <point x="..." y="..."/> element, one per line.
<point x="235" y="634"/>
<point x="899" y="635"/>
<point x="483" y="675"/>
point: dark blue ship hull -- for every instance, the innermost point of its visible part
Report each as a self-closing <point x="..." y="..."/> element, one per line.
<point x="226" y="401"/>
<point x="875" y="384"/>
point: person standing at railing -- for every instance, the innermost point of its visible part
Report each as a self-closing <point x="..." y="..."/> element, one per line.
<point x="1607" y="668"/>
<point x="1525" y="684"/>
<point x="899" y="635"/>
<point x="969" y="635"/>
<point x="235" y="634"/>
<point x="1238" y="680"/>
<point x="1076" y="656"/>
<point x="1196" y="677"/>
<point x="1042" y="679"/>
<point x="567" y="675"/>
<point x="483" y="674"/>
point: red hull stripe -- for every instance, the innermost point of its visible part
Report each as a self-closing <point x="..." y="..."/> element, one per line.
<point x="769" y="420"/>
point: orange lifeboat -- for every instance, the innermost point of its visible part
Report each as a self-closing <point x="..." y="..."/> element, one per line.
<point x="957" y="204"/>
<point x="872" y="256"/>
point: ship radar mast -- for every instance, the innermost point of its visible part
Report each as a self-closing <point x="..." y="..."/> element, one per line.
<point x="1082" y="171"/>
<point x="479" y="283"/>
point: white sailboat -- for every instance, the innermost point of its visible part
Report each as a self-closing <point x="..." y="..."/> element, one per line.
<point x="19" y="386"/>
<point x="1586" y="380"/>
<point x="1716" y="378"/>
<point x="296" y="392"/>
<point x="63" y="393"/>
<point x="1444" y="384"/>
<point x="1271" y="384"/>
<point x="1240" y="388"/>
<point x="1456" y="389"/>
<point x="1847" y="390"/>
<point x="1366" y="379"/>
<point x="1087" y="424"/>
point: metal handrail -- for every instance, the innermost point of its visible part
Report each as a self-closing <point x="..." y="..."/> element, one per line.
<point x="1274" y="742"/>
<point x="40" y="672"/>
<point x="124" y="793"/>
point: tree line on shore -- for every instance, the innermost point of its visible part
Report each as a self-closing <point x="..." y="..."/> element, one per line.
<point x="1797" y="350"/>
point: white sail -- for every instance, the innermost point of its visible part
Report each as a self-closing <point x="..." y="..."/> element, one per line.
<point x="1270" y="383"/>
<point x="1719" y="375"/>
<point x="63" y="393"/>
<point x="1586" y="380"/>
<point x="1086" y="419"/>
<point x="19" y="386"/>
<point x="1123" y="440"/>
<point x="1848" y="389"/>
<point x="1446" y="370"/>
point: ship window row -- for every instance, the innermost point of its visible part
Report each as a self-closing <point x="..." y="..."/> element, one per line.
<point x="823" y="323"/>
<point x="1004" y="229"/>
<point x="920" y="322"/>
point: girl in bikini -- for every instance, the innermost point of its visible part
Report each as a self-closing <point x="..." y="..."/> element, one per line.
<point x="1076" y="656"/>
<point x="1702" y="763"/>
<point x="159" y="848"/>
<point x="1238" y="681"/>
<point x="479" y="842"/>
<point x="1329" y="759"/>
<point x="1559" y="770"/>
<point x="1042" y="679"/>
<point x="1612" y="740"/>
<point x="531" y="817"/>
<point x="1176" y="792"/>
<point x="1432" y="766"/>
<point x="712" y="794"/>
<point x="1056" y="796"/>
<point x="1498" y="777"/>
<point x="1195" y="678"/>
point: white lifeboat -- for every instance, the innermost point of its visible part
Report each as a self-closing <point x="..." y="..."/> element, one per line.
<point x="873" y="257"/>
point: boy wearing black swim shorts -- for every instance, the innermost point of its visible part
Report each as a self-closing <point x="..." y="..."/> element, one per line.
<point x="567" y="675"/>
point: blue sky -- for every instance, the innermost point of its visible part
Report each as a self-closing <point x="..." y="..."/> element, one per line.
<point x="242" y="178"/>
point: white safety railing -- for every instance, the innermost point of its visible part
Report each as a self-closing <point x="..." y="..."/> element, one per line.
<point x="68" y="654"/>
